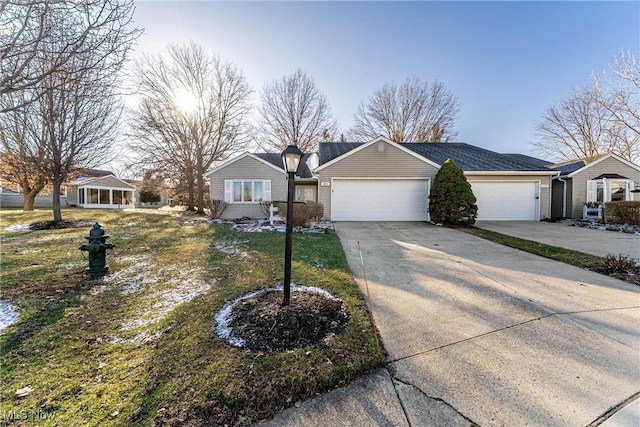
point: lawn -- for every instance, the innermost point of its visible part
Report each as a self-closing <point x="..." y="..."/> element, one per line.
<point x="139" y="347"/>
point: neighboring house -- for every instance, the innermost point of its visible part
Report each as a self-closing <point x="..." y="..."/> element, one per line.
<point x="96" y="189"/>
<point x="11" y="196"/>
<point x="102" y="192"/>
<point x="246" y="181"/>
<point x="385" y="181"/>
<point x="599" y="179"/>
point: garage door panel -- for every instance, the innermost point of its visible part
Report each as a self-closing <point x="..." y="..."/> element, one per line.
<point x="379" y="200"/>
<point x="506" y="200"/>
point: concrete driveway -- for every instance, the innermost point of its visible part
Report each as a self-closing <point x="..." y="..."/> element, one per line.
<point x="480" y="333"/>
<point x="586" y="240"/>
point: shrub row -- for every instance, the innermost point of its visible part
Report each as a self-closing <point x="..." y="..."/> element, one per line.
<point x="303" y="213"/>
<point x="622" y="213"/>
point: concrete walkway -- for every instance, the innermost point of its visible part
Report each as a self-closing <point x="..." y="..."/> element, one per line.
<point x="582" y="239"/>
<point x="481" y="334"/>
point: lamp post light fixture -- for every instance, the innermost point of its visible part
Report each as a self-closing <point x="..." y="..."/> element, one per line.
<point x="291" y="160"/>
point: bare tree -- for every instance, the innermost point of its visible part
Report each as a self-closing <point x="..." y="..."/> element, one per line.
<point x="67" y="89"/>
<point x="603" y="117"/>
<point x="23" y="154"/>
<point x="415" y="111"/>
<point x="294" y="112"/>
<point x="619" y="94"/>
<point x="31" y="48"/>
<point x="575" y="128"/>
<point x="192" y="112"/>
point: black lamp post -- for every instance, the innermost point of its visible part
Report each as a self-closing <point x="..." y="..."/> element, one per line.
<point x="291" y="159"/>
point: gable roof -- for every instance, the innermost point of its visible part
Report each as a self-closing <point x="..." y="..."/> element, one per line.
<point x="86" y="180"/>
<point x="570" y="168"/>
<point x="272" y="160"/>
<point x="276" y="160"/>
<point x="467" y="157"/>
<point x="355" y="147"/>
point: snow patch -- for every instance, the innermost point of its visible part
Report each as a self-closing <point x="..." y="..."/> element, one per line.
<point x="19" y="227"/>
<point x="8" y="315"/>
<point x="231" y="248"/>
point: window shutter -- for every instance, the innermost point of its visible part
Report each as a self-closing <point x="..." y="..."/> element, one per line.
<point x="228" y="191"/>
<point x="630" y="195"/>
<point x="266" y="189"/>
<point x="591" y="191"/>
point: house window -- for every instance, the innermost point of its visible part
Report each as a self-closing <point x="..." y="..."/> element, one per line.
<point x="608" y="190"/>
<point x="105" y="197"/>
<point x="248" y="191"/>
<point x="600" y="191"/>
<point x="93" y="196"/>
<point x="305" y="193"/>
<point x="127" y="197"/>
<point x="618" y="191"/>
<point x="117" y="197"/>
<point x="81" y="196"/>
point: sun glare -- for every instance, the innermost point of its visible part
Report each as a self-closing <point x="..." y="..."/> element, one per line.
<point x="185" y="101"/>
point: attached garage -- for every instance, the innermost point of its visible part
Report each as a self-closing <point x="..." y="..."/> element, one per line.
<point x="507" y="201"/>
<point x="379" y="199"/>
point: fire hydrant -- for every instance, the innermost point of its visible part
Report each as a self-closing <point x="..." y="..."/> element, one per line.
<point x="97" y="248"/>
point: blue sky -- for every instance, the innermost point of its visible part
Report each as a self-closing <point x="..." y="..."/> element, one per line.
<point x="505" y="61"/>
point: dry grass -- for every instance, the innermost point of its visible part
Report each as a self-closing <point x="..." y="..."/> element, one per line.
<point x="138" y="347"/>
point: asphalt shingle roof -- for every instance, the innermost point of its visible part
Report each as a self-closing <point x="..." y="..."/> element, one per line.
<point x="276" y="160"/>
<point x="568" y="168"/>
<point x="467" y="157"/>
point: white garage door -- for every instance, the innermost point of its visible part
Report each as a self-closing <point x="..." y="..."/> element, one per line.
<point x="506" y="200"/>
<point x="379" y="200"/>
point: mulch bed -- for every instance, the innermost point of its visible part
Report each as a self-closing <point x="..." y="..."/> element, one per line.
<point x="58" y="225"/>
<point x="266" y="325"/>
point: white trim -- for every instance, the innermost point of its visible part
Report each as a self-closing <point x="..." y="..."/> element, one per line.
<point x="253" y="181"/>
<point x="368" y="144"/>
<point x="615" y="156"/>
<point x="85" y="189"/>
<point x="516" y="173"/>
<point x="592" y="189"/>
<point x="240" y="157"/>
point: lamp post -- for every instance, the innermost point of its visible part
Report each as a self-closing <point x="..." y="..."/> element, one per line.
<point x="291" y="160"/>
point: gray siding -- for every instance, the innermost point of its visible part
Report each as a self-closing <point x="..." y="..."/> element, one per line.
<point x="247" y="168"/>
<point x="371" y="163"/>
<point x="13" y="200"/>
<point x="545" y="193"/>
<point x="609" y="165"/>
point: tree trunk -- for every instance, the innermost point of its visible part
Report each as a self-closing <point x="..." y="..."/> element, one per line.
<point x="200" y="184"/>
<point x="29" y="196"/>
<point x="29" y="203"/>
<point x="190" y="191"/>
<point x="57" y="213"/>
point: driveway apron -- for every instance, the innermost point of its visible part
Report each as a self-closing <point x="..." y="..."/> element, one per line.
<point x="476" y="332"/>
